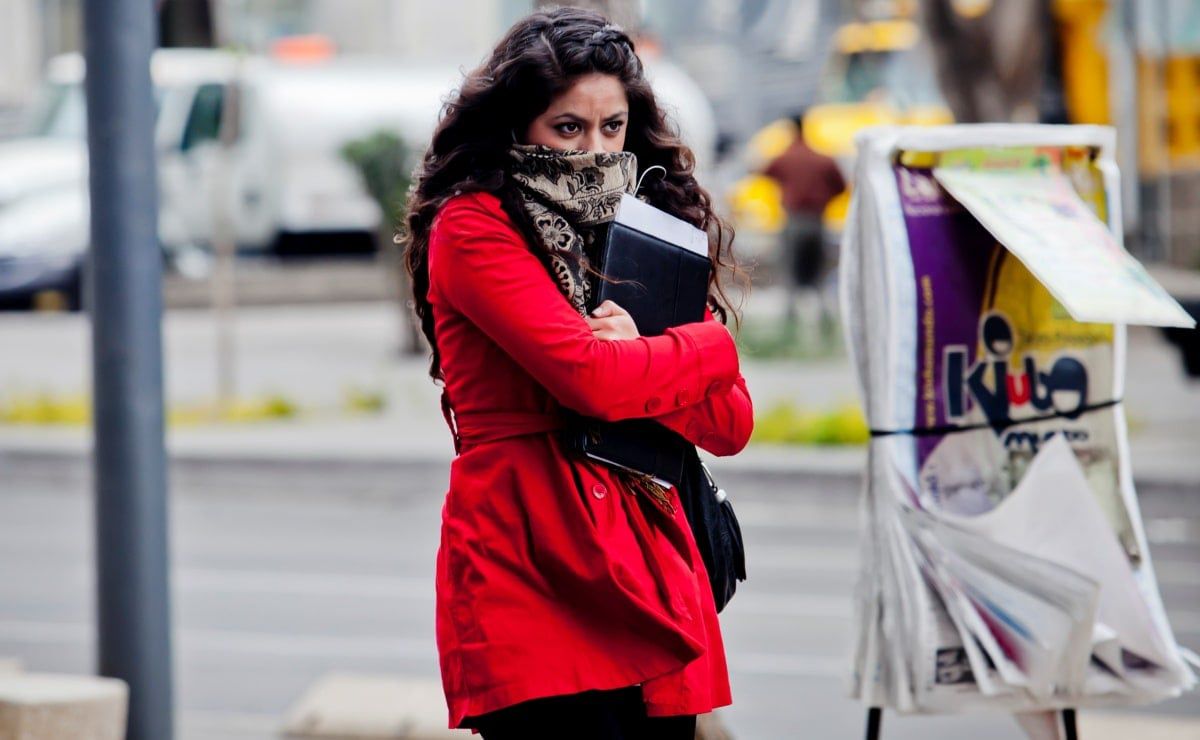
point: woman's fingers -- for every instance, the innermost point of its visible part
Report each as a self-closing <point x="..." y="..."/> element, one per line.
<point x="618" y="326"/>
<point x="606" y="324"/>
<point x="608" y="308"/>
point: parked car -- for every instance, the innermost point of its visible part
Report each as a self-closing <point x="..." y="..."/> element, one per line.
<point x="283" y="186"/>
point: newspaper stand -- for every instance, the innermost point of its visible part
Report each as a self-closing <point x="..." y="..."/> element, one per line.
<point x="985" y="295"/>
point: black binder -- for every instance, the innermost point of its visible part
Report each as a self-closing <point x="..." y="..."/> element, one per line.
<point x="657" y="268"/>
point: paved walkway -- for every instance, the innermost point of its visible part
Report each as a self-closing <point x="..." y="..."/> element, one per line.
<point x="314" y="355"/>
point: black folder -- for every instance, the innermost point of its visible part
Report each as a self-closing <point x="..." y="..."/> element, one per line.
<point x="656" y="267"/>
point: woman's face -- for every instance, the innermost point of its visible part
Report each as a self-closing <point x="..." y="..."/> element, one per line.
<point x="591" y="116"/>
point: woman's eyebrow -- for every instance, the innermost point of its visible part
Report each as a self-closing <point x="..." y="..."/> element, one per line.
<point x="567" y="116"/>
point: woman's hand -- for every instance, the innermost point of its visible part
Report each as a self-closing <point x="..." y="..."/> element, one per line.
<point x="609" y="321"/>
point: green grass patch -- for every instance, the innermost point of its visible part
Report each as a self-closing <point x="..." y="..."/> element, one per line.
<point x="50" y="409"/>
<point x="787" y="424"/>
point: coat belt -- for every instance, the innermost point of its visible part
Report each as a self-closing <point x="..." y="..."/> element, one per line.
<point x="480" y="427"/>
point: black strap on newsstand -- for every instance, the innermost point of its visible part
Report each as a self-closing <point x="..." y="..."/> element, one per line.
<point x="999" y="424"/>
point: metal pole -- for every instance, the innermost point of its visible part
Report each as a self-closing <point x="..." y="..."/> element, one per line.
<point x="1124" y="99"/>
<point x="224" y="277"/>
<point x="1163" y="111"/>
<point x="1070" y="731"/>
<point x="874" y="722"/>
<point x="125" y="270"/>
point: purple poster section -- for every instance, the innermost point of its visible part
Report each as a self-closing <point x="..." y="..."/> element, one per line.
<point x="951" y="254"/>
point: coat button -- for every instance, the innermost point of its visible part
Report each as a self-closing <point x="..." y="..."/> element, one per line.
<point x="653" y="404"/>
<point x="682" y="398"/>
<point x="599" y="491"/>
<point x="713" y="387"/>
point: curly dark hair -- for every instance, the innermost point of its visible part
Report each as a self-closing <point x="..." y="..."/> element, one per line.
<point x="539" y="58"/>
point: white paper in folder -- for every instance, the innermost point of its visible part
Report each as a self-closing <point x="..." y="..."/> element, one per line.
<point x="1038" y="216"/>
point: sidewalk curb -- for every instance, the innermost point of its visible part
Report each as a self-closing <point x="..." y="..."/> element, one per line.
<point x="839" y="466"/>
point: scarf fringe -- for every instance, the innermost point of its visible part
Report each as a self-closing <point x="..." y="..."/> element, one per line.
<point x="644" y="485"/>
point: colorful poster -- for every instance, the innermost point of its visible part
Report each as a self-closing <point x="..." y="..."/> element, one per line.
<point x="997" y="353"/>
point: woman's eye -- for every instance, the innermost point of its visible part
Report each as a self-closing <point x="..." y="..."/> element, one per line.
<point x="614" y="126"/>
<point x="567" y="129"/>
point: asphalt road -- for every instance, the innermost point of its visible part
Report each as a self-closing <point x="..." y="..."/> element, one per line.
<point x="282" y="573"/>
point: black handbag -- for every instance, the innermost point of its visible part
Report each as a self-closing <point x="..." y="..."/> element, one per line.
<point x="715" y="527"/>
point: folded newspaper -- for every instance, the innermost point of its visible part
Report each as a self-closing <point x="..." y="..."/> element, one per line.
<point x="985" y="292"/>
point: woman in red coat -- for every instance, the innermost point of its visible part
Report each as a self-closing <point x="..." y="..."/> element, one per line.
<point x="570" y="603"/>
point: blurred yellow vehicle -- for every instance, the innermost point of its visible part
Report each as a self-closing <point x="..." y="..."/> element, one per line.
<point x="879" y="73"/>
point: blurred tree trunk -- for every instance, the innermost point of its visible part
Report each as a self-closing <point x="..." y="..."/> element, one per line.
<point x="622" y="12"/>
<point x="990" y="56"/>
<point x="184" y="23"/>
<point x="412" y="341"/>
<point x="382" y="160"/>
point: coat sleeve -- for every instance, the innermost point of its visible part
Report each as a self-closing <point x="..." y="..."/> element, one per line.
<point x="483" y="268"/>
<point x="721" y="423"/>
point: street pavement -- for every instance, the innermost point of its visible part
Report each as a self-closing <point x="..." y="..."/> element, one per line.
<point x="285" y="571"/>
<point x="306" y="546"/>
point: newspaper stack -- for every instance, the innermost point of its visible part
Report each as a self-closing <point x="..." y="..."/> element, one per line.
<point x="1004" y="563"/>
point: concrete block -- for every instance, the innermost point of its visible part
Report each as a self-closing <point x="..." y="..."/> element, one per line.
<point x="1112" y="726"/>
<point x="710" y="727"/>
<point x="350" y="706"/>
<point x="40" y="706"/>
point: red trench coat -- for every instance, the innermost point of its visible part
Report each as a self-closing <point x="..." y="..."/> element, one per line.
<point x="551" y="577"/>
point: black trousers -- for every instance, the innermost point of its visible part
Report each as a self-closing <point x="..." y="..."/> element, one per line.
<point x="592" y="715"/>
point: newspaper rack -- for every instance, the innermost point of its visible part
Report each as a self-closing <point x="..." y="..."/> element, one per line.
<point x="985" y="294"/>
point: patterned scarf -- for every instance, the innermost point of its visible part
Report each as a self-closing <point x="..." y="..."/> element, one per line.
<point x="567" y="195"/>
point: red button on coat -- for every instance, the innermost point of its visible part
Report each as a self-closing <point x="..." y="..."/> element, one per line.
<point x="599" y="491"/>
<point x="653" y="405"/>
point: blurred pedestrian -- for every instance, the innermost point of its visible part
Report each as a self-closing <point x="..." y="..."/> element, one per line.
<point x="569" y="602"/>
<point x="808" y="181"/>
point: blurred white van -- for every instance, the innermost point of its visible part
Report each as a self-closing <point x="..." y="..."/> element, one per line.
<point x="283" y="185"/>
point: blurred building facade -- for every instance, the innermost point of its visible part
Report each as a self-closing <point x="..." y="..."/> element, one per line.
<point x="1134" y="64"/>
<point x="757" y="60"/>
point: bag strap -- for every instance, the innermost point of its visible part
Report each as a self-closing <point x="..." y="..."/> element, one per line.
<point x="712" y="483"/>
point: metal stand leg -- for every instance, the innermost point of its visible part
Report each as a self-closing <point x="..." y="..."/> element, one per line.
<point x="874" y="720"/>
<point x="1069" y="729"/>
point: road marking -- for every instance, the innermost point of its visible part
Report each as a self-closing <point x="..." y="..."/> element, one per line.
<point x="381" y="647"/>
<point x="304" y="584"/>
<point x="209" y="641"/>
<point x="210" y="723"/>
<point x="801" y="606"/>
<point x="822" y="559"/>
<point x="1172" y="531"/>
<point x="784" y="664"/>
<point x="815" y="517"/>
